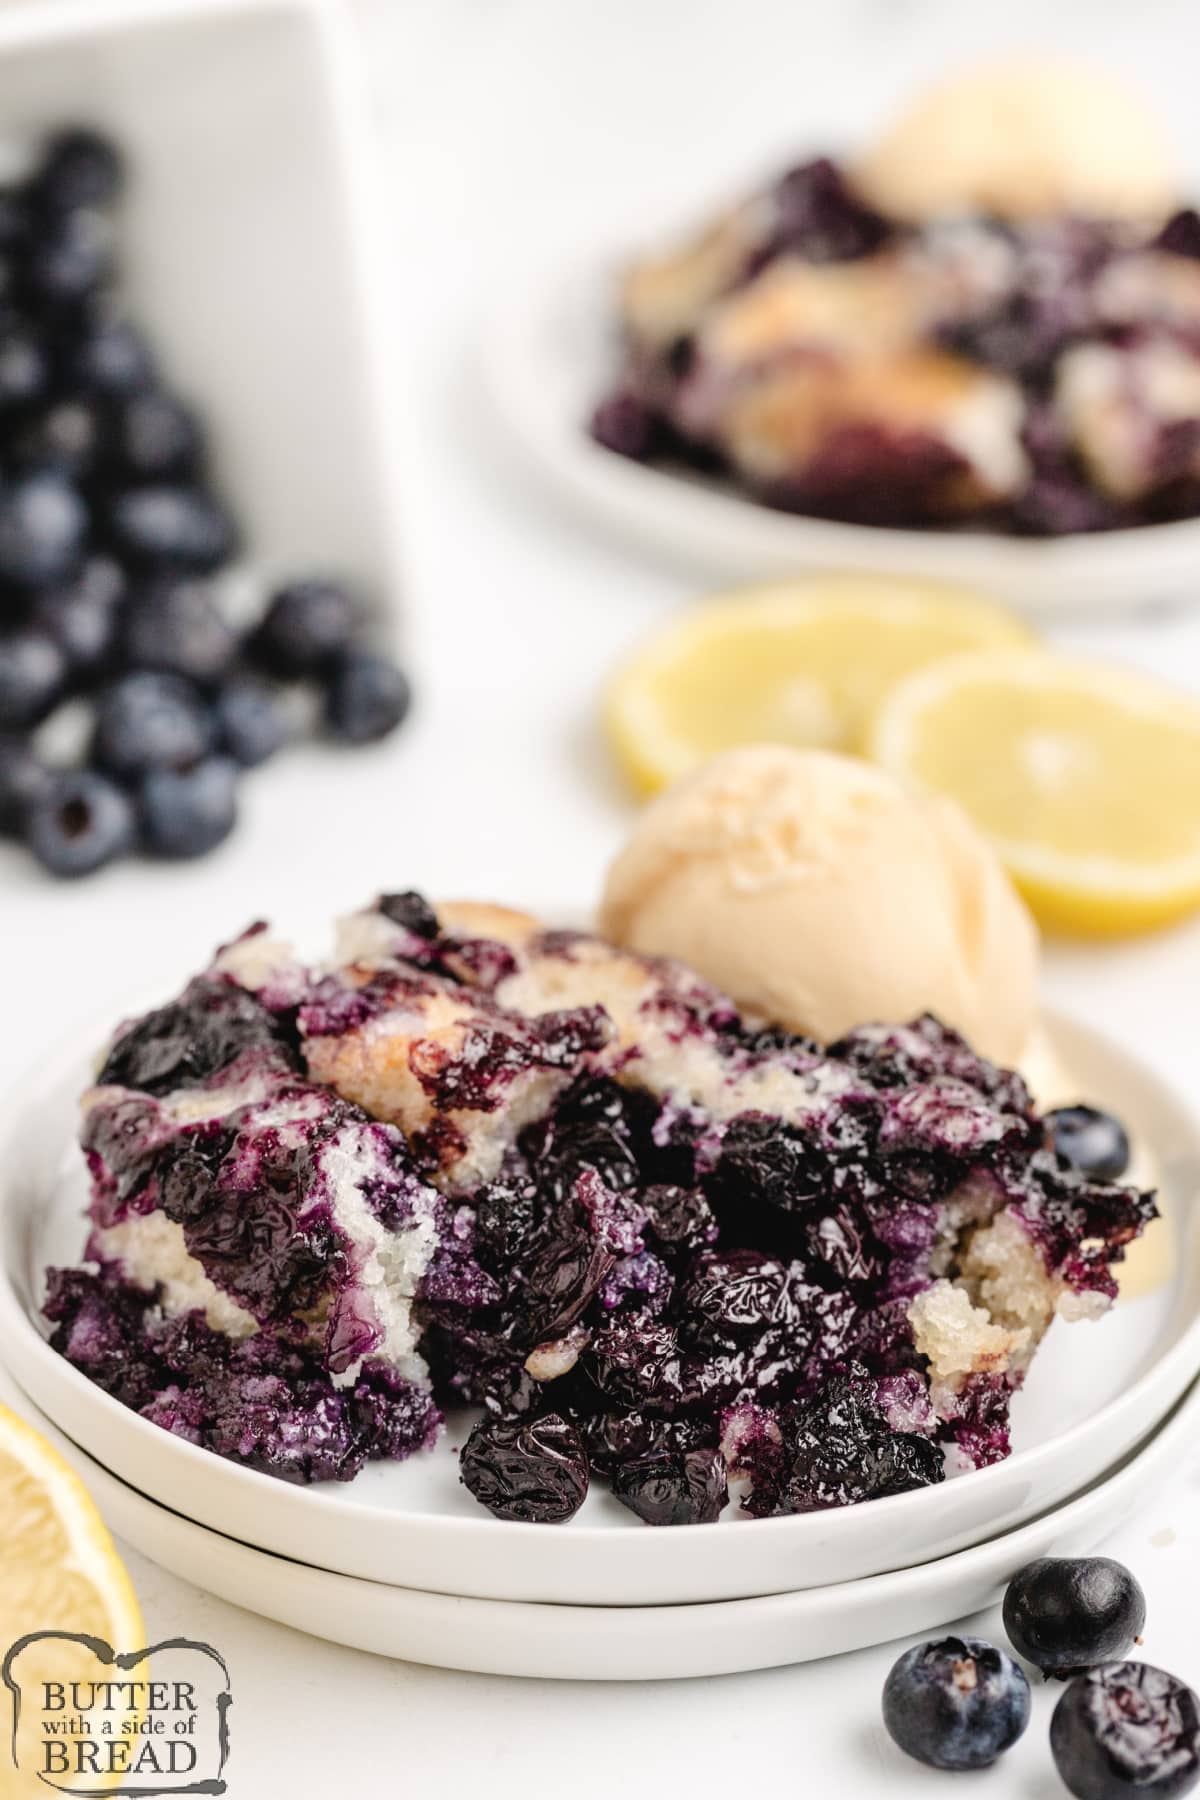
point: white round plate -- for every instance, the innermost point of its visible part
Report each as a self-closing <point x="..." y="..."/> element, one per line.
<point x="1094" y="1390"/>
<point x="550" y="354"/>
<point x="632" y="1643"/>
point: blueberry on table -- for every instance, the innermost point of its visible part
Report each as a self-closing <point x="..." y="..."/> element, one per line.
<point x="956" y="1703"/>
<point x="80" y="823"/>
<point x="188" y="812"/>
<point x="1127" y="1729"/>
<point x="171" y="526"/>
<point x="150" y="721"/>
<point x="176" y="626"/>
<point x="67" y="262"/>
<point x="534" y="1472"/>
<point x="80" y="167"/>
<point x="42" y="524"/>
<point x="368" y="697"/>
<point x="66" y="436"/>
<point x="252" y="722"/>
<point x="1068" y="1613"/>
<point x="683" y="1487"/>
<point x="24" y="779"/>
<point x="24" y="372"/>
<point x="1094" y="1141"/>
<point x="33" y="675"/>
<point x="306" y="628"/>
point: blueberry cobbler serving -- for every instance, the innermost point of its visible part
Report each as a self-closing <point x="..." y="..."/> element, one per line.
<point x="1035" y="375"/>
<point x="475" y="1162"/>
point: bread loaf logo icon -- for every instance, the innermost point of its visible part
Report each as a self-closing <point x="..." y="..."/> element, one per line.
<point x="135" y="1723"/>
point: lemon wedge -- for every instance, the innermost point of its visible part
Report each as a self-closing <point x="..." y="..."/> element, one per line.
<point x="1085" y="776"/>
<point x="803" y="662"/>
<point x="59" y="1571"/>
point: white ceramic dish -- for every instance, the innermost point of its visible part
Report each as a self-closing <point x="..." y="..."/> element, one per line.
<point x="1094" y="1391"/>
<point x="635" y="1643"/>
<point x="549" y="356"/>
<point x="247" y="247"/>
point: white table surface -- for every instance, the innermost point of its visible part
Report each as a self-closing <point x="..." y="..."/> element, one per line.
<point x="515" y="130"/>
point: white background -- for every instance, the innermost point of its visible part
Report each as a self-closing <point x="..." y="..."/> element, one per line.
<point x="512" y="132"/>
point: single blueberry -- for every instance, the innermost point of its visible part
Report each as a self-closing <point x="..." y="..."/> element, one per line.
<point x="1127" y="1730"/>
<point x="167" y="525"/>
<point x="42" y="523"/>
<point x="367" y="698"/>
<point x="151" y="721"/>
<point x="306" y="627"/>
<point x="188" y="812"/>
<point x="956" y="1703"/>
<point x="33" y="675"/>
<point x="534" y="1472"/>
<point x="684" y="1487"/>
<point x="625" y="424"/>
<point x="67" y="436"/>
<point x="82" y="822"/>
<point x="176" y="626"/>
<point x="1093" y="1140"/>
<point x="67" y="262"/>
<point x="252" y="722"/>
<point x="1068" y="1613"/>
<point x="82" y="616"/>
<point x="24" y="372"/>
<point x="109" y="357"/>
<point x="154" y="437"/>
<point x="24" y="779"/>
<point x="79" y="167"/>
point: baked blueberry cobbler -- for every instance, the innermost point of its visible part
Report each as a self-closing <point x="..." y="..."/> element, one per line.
<point x="474" y="1161"/>
<point x="1034" y="376"/>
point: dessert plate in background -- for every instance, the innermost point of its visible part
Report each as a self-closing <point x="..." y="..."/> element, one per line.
<point x="549" y="356"/>
<point x="632" y="1643"/>
<point x="1094" y="1391"/>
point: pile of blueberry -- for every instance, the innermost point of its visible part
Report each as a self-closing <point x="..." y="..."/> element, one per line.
<point x="109" y="535"/>
<point x="1120" y="1729"/>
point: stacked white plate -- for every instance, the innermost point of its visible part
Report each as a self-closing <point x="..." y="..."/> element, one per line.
<point x="403" y="1562"/>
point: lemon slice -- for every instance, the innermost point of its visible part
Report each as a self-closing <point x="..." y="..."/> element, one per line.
<point x="802" y="662"/>
<point x="59" y="1571"/>
<point x="1086" y="777"/>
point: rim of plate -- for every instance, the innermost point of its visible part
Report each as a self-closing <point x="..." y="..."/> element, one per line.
<point x="26" y="1347"/>
<point x="545" y="351"/>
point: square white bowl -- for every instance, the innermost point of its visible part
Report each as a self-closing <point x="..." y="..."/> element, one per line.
<point x="245" y="248"/>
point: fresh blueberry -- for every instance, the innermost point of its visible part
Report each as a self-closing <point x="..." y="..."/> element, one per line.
<point x="188" y="812"/>
<point x="956" y="1703"/>
<point x="1127" y="1731"/>
<point x="82" y="822"/>
<point x="683" y="1487"/>
<point x="82" y="616"/>
<point x="67" y="436"/>
<point x="623" y="423"/>
<point x="24" y="372"/>
<point x="108" y="357"/>
<point x="67" y="262"/>
<point x="1068" y="1613"/>
<point x="170" y="526"/>
<point x="177" y="627"/>
<point x="155" y="437"/>
<point x="534" y="1472"/>
<point x="150" y="721"/>
<point x="79" y="168"/>
<point x="24" y="779"/>
<point x="42" y="523"/>
<point x="1093" y="1140"/>
<point x="368" y="697"/>
<point x="33" y="675"/>
<point x="306" y="628"/>
<point x="251" y="721"/>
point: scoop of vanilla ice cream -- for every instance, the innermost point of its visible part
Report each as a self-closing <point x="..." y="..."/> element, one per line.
<point x="1022" y="140"/>
<point x="822" y="894"/>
